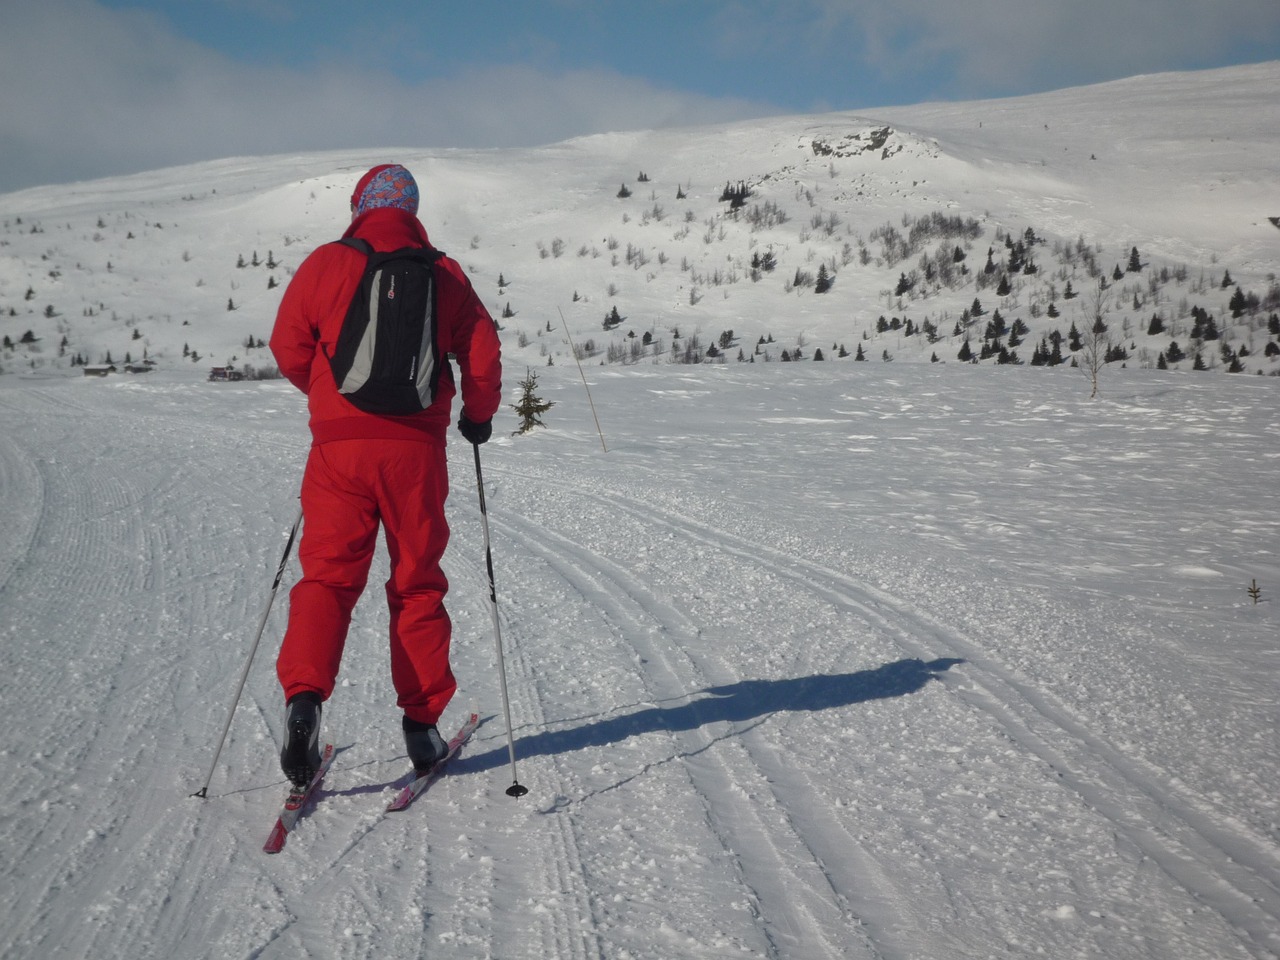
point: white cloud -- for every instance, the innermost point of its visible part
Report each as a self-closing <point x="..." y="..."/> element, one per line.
<point x="994" y="45"/>
<point x="91" y="91"/>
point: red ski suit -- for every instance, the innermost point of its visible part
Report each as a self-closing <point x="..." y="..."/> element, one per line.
<point x="365" y="469"/>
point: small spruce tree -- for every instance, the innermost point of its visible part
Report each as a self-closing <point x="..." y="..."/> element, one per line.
<point x="1239" y="303"/>
<point x="530" y="407"/>
<point x="824" y="281"/>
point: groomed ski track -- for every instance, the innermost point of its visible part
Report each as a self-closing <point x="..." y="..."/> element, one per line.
<point x="758" y="716"/>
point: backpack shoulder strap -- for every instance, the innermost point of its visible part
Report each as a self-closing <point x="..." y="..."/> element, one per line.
<point x="430" y="254"/>
<point x="356" y="243"/>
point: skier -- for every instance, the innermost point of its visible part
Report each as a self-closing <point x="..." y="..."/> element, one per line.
<point x="365" y="469"/>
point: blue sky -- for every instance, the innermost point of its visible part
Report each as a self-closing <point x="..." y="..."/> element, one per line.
<point x="100" y="87"/>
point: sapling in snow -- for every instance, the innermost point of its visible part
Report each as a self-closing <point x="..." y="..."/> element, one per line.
<point x="530" y="407"/>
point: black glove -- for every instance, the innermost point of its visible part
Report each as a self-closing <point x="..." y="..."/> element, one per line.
<point x="476" y="433"/>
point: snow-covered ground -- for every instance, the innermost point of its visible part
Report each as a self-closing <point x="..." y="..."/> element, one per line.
<point x="821" y="660"/>
<point x="898" y="660"/>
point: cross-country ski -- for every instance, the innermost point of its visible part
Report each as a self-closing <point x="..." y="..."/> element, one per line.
<point x="420" y="784"/>
<point x="295" y="805"/>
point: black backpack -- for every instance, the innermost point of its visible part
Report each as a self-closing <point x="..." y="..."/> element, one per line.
<point x="386" y="360"/>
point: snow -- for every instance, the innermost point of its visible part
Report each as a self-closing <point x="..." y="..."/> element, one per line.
<point x="895" y="660"/>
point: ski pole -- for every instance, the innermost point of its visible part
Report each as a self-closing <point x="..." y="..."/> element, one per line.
<point x="203" y="792"/>
<point x="515" y="790"/>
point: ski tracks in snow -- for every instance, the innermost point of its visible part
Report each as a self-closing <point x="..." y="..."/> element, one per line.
<point x="118" y="573"/>
<point x="768" y="844"/>
<point x="813" y="888"/>
<point x="683" y="687"/>
<point x="795" y="908"/>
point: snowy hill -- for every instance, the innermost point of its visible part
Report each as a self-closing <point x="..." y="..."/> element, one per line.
<point x="992" y="223"/>
<point x="818" y="660"/>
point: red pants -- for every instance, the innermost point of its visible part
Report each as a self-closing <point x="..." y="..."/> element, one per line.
<point x="349" y="487"/>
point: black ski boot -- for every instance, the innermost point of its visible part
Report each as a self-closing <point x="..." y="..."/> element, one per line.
<point x="300" y="756"/>
<point x="426" y="746"/>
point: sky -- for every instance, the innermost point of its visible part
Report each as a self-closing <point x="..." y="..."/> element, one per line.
<point x="95" y="88"/>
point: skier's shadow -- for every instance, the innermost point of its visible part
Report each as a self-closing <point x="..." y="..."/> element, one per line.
<point x="735" y="703"/>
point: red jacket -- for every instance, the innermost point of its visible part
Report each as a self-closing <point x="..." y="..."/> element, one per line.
<point x="310" y="318"/>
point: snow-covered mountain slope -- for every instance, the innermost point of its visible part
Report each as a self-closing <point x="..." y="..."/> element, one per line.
<point x="1052" y="194"/>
